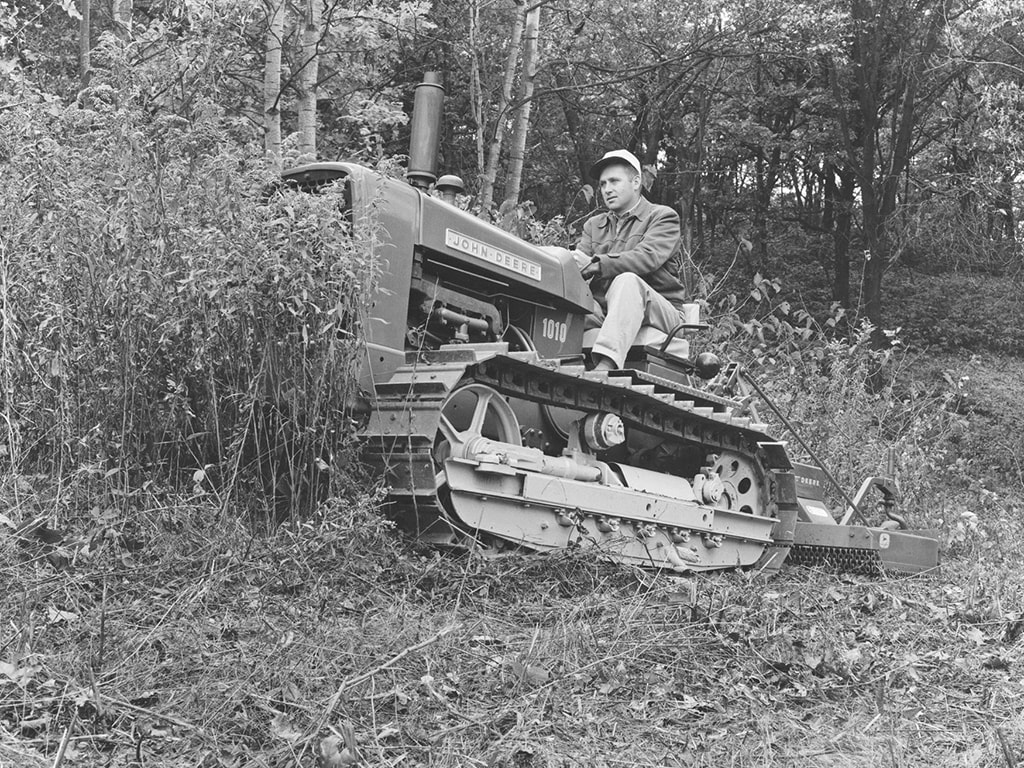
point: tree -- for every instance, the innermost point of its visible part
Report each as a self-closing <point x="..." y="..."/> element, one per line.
<point x="84" y="42"/>
<point x="497" y="138"/>
<point x="122" y="18"/>
<point x="521" y="128"/>
<point x="272" y="80"/>
<point x="884" y="83"/>
<point x="309" y="56"/>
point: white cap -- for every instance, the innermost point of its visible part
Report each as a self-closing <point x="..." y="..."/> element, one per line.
<point x="623" y="156"/>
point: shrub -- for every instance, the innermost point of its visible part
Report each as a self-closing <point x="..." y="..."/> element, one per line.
<point x="165" y="318"/>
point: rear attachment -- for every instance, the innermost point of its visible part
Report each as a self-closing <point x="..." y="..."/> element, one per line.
<point x="819" y="541"/>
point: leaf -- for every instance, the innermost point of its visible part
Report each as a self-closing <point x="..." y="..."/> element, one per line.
<point x="648" y="176"/>
<point x="68" y="6"/>
<point x="530" y="673"/>
<point x="687" y="702"/>
<point x="851" y="655"/>
<point x="996" y="661"/>
<point x="331" y="749"/>
<point x="976" y="636"/>
<point x="281" y="728"/>
<point x="20" y="676"/>
<point x="340" y="749"/>
<point x="10" y="671"/>
<point x="56" y="616"/>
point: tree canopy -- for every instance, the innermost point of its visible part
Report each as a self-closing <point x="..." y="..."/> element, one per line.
<point x="826" y="143"/>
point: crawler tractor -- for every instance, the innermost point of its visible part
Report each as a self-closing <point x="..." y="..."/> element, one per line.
<point x="489" y="430"/>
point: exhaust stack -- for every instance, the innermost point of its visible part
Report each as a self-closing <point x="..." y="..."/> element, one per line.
<point x="426" y="131"/>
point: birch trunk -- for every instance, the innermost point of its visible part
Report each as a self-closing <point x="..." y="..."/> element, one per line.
<point x="84" y="46"/>
<point x="122" y="13"/>
<point x="272" y="83"/>
<point x="309" y="44"/>
<point x="476" y="98"/>
<point x="494" y="150"/>
<point x="517" y="151"/>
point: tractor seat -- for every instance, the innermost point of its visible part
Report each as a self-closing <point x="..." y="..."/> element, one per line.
<point x="648" y="335"/>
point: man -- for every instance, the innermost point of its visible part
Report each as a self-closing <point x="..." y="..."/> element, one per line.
<point x="634" y="261"/>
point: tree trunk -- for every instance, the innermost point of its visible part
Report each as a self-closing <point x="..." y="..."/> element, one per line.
<point x="876" y="255"/>
<point x="309" y="43"/>
<point x="689" y="160"/>
<point x="766" y="176"/>
<point x="84" y="46"/>
<point x="122" y="16"/>
<point x="1006" y="228"/>
<point x="517" y="151"/>
<point x="840" y="200"/>
<point x="571" y="109"/>
<point x="272" y="82"/>
<point x="655" y="132"/>
<point x="476" y="99"/>
<point x="878" y="131"/>
<point x="498" y="137"/>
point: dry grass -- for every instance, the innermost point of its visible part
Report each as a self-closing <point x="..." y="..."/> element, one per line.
<point x="181" y="638"/>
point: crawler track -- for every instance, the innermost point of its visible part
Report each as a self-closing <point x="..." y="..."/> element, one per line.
<point x="444" y="499"/>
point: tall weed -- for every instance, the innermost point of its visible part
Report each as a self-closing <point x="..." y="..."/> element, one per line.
<point x="165" y="318"/>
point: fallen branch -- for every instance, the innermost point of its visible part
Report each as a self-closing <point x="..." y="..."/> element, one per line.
<point x="121" y="704"/>
<point x="363" y="677"/>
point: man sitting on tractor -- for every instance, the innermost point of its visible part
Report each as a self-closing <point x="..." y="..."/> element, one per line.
<point x="631" y="255"/>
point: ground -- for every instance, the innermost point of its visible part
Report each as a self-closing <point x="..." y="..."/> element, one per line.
<point x="211" y="646"/>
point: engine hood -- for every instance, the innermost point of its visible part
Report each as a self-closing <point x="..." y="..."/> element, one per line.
<point x="457" y="237"/>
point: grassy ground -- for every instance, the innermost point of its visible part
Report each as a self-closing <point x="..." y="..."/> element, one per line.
<point x="154" y="632"/>
<point x="185" y="640"/>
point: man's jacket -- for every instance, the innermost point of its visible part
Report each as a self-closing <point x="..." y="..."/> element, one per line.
<point x="644" y="241"/>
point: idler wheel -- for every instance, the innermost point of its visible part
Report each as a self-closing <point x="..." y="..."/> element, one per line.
<point x="474" y="410"/>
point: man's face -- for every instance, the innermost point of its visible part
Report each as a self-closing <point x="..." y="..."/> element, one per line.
<point x="620" y="187"/>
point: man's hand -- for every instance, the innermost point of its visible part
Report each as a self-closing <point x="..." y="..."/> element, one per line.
<point x="593" y="269"/>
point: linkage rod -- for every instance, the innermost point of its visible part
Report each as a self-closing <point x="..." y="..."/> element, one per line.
<point x="792" y="430"/>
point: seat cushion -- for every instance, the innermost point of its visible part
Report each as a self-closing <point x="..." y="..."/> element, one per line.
<point x="679" y="347"/>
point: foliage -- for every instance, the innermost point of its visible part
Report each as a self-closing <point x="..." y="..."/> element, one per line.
<point x="960" y="311"/>
<point x="851" y="404"/>
<point x="744" y="112"/>
<point x="164" y="318"/>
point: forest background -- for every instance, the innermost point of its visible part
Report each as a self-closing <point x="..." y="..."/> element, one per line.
<point x="849" y="176"/>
